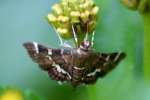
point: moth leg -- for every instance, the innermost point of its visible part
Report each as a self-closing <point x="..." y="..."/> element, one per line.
<point x="75" y="36"/>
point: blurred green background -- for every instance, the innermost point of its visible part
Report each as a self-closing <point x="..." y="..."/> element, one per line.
<point x="118" y="29"/>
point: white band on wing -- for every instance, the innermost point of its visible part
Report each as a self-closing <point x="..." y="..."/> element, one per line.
<point x="36" y="47"/>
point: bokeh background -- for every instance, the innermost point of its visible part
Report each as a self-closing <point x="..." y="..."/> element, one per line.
<point x="118" y="29"/>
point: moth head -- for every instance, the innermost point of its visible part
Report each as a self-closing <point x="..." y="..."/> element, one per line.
<point x="85" y="45"/>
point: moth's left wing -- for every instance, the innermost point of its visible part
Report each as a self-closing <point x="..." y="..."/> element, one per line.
<point x="39" y="54"/>
<point x="49" y="59"/>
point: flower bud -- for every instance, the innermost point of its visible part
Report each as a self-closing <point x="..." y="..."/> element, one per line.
<point x="64" y="33"/>
<point x="51" y="18"/>
<point x="75" y="16"/>
<point x="62" y="30"/>
<point x="63" y="18"/>
<point x="57" y="9"/>
<point x="80" y="13"/>
<point x="94" y="10"/>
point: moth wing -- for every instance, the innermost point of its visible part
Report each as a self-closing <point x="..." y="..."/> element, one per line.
<point x="39" y="54"/>
<point x="49" y="59"/>
<point x="106" y="62"/>
<point x="109" y="61"/>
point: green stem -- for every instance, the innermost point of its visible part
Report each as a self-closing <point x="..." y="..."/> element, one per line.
<point x="146" y="17"/>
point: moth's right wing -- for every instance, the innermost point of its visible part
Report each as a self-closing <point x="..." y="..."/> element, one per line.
<point x="106" y="62"/>
<point x="109" y="61"/>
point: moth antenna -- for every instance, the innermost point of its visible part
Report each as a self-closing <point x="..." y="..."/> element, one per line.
<point x="86" y="37"/>
<point x="92" y="39"/>
<point x="75" y="36"/>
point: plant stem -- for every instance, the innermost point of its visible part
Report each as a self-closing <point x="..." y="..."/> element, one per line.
<point x="146" y="17"/>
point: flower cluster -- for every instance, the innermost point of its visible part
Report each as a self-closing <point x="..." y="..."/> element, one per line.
<point x="81" y="14"/>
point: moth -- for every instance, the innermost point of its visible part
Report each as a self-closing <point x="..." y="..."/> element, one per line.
<point x="80" y="65"/>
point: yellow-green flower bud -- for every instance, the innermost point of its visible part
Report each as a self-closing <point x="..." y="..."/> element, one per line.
<point x="87" y="13"/>
<point x="64" y="3"/>
<point x="64" y="33"/>
<point x="57" y="9"/>
<point x="80" y="13"/>
<point x="62" y="18"/>
<point x="94" y="10"/>
<point x="75" y="13"/>
<point x="75" y="16"/>
<point x="90" y="3"/>
<point x="51" y="18"/>
<point x="62" y="30"/>
<point x="85" y="16"/>
<point x="86" y="5"/>
<point x="72" y="1"/>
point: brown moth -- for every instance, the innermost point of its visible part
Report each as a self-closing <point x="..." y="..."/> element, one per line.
<point x="81" y="65"/>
